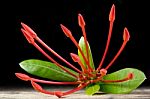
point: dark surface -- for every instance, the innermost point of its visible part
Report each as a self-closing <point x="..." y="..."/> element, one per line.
<point x="45" y="17"/>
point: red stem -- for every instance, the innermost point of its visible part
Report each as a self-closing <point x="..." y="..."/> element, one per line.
<point x="118" y="53"/>
<point x="68" y="34"/>
<point x="76" y="58"/>
<point x="37" y="87"/>
<point x="53" y="82"/>
<point x="86" y="45"/>
<point x="82" y="25"/>
<point x="130" y="76"/>
<point x="33" y="35"/>
<point x="75" y="89"/>
<point x="57" y="55"/>
<point x="111" y="20"/>
<point x="31" y="40"/>
<point x="51" y="59"/>
<point x="107" y="45"/>
<point x="126" y="37"/>
<point x="57" y="93"/>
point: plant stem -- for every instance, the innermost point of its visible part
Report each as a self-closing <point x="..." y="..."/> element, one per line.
<point x="130" y="76"/>
<point x="82" y="25"/>
<point x="57" y="55"/>
<point x="68" y="34"/>
<point x="53" y="82"/>
<point x="118" y="53"/>
<point x="111" y="21"/>
<point x="107" y="45"/>
<point x="76" y="89"/>
<point x="51" y="59"/>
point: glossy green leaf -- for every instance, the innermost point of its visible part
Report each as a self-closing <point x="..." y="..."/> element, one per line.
<point x="123" y="87"/>
<point x="92" y="89"/>
<point x="83" y="48"/>
<point x="47" y="70"/>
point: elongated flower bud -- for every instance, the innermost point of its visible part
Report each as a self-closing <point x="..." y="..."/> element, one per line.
<point x="75" y="57"/>
<point x="28" y="29"/>
<point x="28" y="36"/>
<point x="22" y="76"/>
<point x="126" y="34"/>
<point x="81" y="21"/>
<point x="66" y="31"/>
<point x="36" y="86"/>
<point x="112" y="13"/>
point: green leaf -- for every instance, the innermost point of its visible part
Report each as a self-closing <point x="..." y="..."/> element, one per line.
<point x="83" y="48"/>
<point x="47" y="70"/>
<point x="92" y="89"/>
<point x="123" y="87"/>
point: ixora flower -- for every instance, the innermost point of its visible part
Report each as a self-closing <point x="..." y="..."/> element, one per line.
<point x="88" y="77"/>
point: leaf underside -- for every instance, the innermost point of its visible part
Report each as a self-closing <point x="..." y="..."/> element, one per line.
<point x="47" y="70"/>
<point x="83" y="48"/>
<point x="122" y="87"/>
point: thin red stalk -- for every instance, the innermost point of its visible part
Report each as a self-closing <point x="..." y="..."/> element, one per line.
<point x="75" y="42"/>
<point x="118" y="53"/>
<point x="68" y="34"/>
<point x="51" y="59"/>
<point x="107" y="45"/>
<point x="34" y="35"/>
<point x="31" y="40"/>
<point x="75" y="89"/>
<point x="83" y="68"/>
<point x="27" y="78"/>
<point x="111" y="20"/>
<point x="57" y="55"/>
<point x="126" y="37"/>
<point x="130" y="76"/>
<point x="82" y="25"/>
<point x="53" y="82"/>
<point x="87" y="52"/>
<point x="57" y="93"/>
<point x="98" y="79"/>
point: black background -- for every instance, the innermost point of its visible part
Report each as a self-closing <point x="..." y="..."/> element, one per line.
<point x="45" y="19"/>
